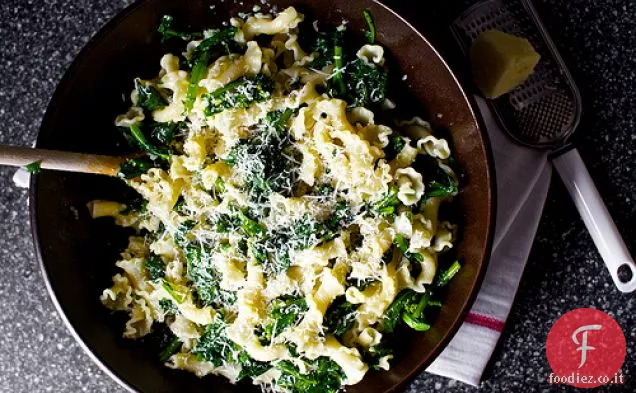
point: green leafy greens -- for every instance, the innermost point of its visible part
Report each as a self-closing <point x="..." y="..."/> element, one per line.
<point x="34" y="168"/>
<point x="438" y="182"/>
<point x="173" y="347"/>
<point x="148" y="146"/>
<point x="148" y="97"/>
<point x="205" y="278"/>
<point x="265" y="160"/>
<point x="447" y="275"/>
<point x="371" y="25"/>
<point x="214" y="346"/>
<point x="357" y="81"/>
<point x="285" y="311"/>
<point x="155" y="140"/>
<point x="408" y="307"/>
<point x="365" y="83"/>
<point x="323" y="376"/>
<point x="201" y="57"/>
<point x="238" y="94"/>
<point x="273" y="250"/>
<point x="340" y="316"/>
<point x="155" y="267"/>
<point x="135" y="167"/>
<point x="168" y="30"/>
<point x="387" y="204"/>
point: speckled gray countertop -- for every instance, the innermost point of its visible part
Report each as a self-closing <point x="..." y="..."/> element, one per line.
<point x="38" y="41"/>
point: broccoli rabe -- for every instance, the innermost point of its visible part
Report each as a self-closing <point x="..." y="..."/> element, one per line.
<point x="265" y="160"/>
<point x="446" y="275"/>
<point x="167" y="29"/>
<point x="413" y="313"/>
<point x="408" y="307"/>
<point x="446" y="186"/>
<point x="322" y="375"/>
<point x="402" y="245"/>
<point x="150" y="148"/>
<point x="205" y="278"/>
<point x="155" y="267"/>
<point x="341" y="217"/>
<point x="395" y="146"/>
<point x="285" y="311"/>
<point x="235" y="153"/>
<point x="437" y="182"/>
<point x="196" y="74"/>
<point x="240" y="93"/>
<point x="393" y="313"/>
<point x="179" y="205"/>
<point x="214" y="346"/>
<point x="161" y="341"/>
<point x="135" y="167"/>
<point x="168" y="306"/>
<point x="249" y="366"/>
<point x="33" y="168"/>
<point x="218" y="43"/>
<point x="306" y="232"/>
<point x="365" y="83"/>
<point x="387" y="204"/>
<point x="173" y="347"/>
<point x="201" y="57"/>
<point x="148" y="97"/>
<point x="164" y="133"/>
<point x="250" y="226"/>
<point x="363" y="284"/>
<point x="321" y="49"/>
<point x="240" y="220"/>
<point x="273" y="251"/>
<point x="371" y="25"/>
<point x="357" y="81"/>
<point x="338" y="62"/>
<point x="373" y="355"/>
<point x="137" y="204"/>
<point x="181" y="234"/>
<point x="154" y="139"/>
<point x="324" y="190"/>
<point x="277" y="121"/>
<point x="219" y="186"/>
<point x="224" y="223"/>
<point x="340" y="316"/>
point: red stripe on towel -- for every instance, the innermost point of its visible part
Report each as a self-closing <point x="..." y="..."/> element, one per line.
<point x="485" y="321"/>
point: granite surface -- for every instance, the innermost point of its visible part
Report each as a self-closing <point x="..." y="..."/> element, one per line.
<point x="39" y="39"/>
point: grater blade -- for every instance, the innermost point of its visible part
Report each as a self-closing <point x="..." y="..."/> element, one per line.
<point x="545" y="110"/>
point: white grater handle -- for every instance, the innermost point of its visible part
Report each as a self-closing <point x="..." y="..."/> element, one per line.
<point x="596" y="217"/>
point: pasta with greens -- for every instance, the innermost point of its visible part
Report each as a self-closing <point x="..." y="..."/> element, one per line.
<point x="282" y="233"/>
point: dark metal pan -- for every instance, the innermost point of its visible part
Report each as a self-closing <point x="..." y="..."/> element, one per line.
<point x="77" y="253"/>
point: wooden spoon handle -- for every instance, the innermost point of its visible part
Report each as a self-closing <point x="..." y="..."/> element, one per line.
<point x="61" y="160"/>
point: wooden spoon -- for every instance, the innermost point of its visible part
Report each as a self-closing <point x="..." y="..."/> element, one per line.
<point x="61" y="160"/>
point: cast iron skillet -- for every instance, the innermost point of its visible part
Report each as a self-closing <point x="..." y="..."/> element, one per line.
<point x="77" y="253"/>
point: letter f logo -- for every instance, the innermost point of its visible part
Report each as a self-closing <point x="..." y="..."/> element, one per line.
<point x="584" y="347"/>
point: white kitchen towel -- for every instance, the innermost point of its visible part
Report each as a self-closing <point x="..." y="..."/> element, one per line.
<point x="523" y="178"/>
